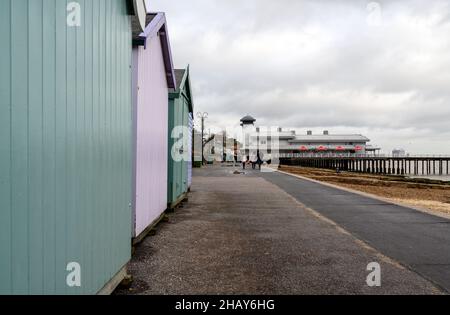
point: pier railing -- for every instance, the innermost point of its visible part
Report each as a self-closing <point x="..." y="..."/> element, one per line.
<point x="411" y="165"/>
<point x="353" y="155"/>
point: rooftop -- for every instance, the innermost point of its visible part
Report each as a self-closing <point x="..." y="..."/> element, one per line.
<point x="179" y="75"/>
<point x="331" y="138"/>
<point x="136" y="26"/>
<point x="248" y="119"/>
<point x="156" y="25"/>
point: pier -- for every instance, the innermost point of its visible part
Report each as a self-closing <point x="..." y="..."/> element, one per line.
<point x="414" y="166"/>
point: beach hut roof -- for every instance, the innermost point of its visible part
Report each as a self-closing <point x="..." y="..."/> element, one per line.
<point x="183" y="83"/>
<point x="156" y="25"/>
<point x="179" y="76"/>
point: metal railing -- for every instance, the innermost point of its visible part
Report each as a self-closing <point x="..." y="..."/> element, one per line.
<point x="357" y="155"/>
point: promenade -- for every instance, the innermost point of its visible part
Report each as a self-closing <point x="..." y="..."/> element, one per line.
<point x="249" y="234"/>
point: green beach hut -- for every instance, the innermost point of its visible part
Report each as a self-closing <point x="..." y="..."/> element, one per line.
<point x="180" y="138"/>
<point x="65" y="146"/>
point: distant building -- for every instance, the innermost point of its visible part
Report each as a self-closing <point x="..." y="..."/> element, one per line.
<point x="288" y="142"/>
<point x="248" y="125"/>
<point x="247" y="121"/>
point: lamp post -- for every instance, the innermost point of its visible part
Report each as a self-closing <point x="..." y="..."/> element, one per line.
<point x="203" y="116"/>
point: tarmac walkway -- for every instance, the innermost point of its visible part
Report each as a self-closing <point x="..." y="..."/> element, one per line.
<point x="418" y="240"/>
<point x="243" y="234"/>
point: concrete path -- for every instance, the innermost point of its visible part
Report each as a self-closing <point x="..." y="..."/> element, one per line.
<point x="418" y="240"/>
<point x="242" y="234"/>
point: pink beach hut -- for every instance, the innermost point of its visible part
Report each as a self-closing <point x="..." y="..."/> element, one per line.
<point x="153" y="76"/>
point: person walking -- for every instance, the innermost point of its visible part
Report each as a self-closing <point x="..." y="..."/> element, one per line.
<point x="245" y="161"/>
<point x="253" y="160"/>
<point x="259" y="159"/>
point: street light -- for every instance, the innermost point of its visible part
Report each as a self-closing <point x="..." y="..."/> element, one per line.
<point x="203" y="116"/>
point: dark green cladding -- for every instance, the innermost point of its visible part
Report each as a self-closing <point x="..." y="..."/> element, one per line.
<point x="65" y="144"/>
<point x="177" y="170"/>
<point x="180" y="105"/>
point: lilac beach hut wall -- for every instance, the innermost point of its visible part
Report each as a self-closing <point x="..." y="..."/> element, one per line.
<point x="153" y="76"/>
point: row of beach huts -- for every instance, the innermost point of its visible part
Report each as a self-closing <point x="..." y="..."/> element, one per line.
<point x="96" y="133"/>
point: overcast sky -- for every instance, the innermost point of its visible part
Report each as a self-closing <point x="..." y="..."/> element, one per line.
<point x="350" y="66"/>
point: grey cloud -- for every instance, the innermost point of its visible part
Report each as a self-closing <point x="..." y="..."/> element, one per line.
<point x="318" y="64"/>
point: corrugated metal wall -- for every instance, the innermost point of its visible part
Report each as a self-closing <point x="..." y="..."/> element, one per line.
<point x="191" y="143"/>
<point x="151" y="134"/>
<point x="65" y="144"/>
<point x="174" y="169"/>
<point x="184" y="170"/>
<point x="171" y="170"/>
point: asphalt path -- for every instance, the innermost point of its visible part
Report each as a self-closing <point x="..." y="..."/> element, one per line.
<point x="417" y="240"/>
